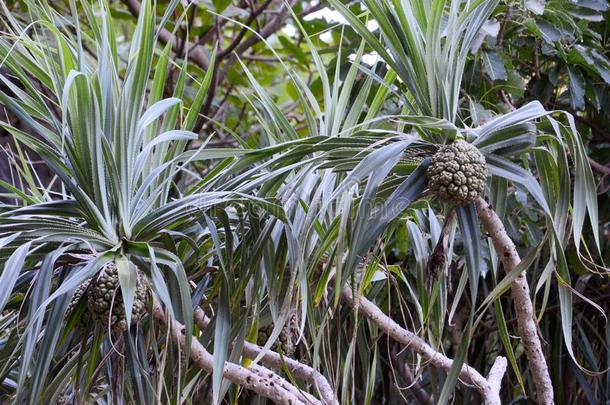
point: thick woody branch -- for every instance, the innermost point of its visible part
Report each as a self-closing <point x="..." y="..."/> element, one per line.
<point x="256" y="378"/>
<point x="275" y="360"/>
<point x="469" y="375"/>
<point x="520" y="292"/>
<point x="496" y="373"/>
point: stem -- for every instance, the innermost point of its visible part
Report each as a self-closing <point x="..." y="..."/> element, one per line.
<point x="489" y="389"/>
<point x="598" y="167"/>
<point x="269" y="29"/>
<point x="275" y="360"/>
<point x="520" y="292"/>
<point x="255" y="378"/>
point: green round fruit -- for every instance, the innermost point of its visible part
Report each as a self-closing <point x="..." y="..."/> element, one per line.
<point x="105" y="300"/>
<point x="457" y="173"/>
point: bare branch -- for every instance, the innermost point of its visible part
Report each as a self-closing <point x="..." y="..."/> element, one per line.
<point x="598" y="167"/>
<point x="275" y="360"/>
<point x="507" y="18"/>
<point x="312" y="9"/>
<point x="520" y="292"/>
<point x="467" y="374"/>
<point x="255" y="378"/>
<point x="496" y="374"/>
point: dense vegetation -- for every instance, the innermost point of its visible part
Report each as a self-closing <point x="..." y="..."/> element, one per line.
<point x="367" y="202"/>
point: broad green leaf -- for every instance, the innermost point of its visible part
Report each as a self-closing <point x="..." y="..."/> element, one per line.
<point x="494" y="65"/>
<point x="577" y="88"/>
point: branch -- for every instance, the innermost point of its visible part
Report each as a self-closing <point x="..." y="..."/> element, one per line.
<point x="520" y="292"/>
<point x="600" y="168"/>
<point x="312" y="9"/>
<point x="255" y="378"/>
<point x="496" y="373"/>
<point x="267" y="30"/>
<point x="414" y="386"/>
<point x="275" y="360"/>
<point x="196" y="55"/>
<point x="243" y="30"/>
<point x="489" y="392"/>
<point x="507" y="17"/>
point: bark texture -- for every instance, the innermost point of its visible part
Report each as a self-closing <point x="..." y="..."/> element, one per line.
<point x="275" y="360"/>
<point x="520" y="291"/>
<point x="254" y="378"/>
<point x="489" y="389"/>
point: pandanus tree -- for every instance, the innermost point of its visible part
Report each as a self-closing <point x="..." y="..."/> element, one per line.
<point x="100" y="262"/>
<point x="434" y="183"/>
<point x="426" y="45"/>
<point x="346" y="243"/>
